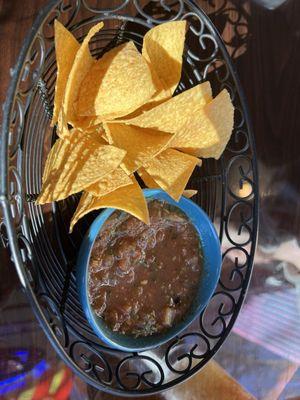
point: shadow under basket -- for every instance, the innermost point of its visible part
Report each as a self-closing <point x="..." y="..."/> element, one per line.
<point x="43" y="251"/>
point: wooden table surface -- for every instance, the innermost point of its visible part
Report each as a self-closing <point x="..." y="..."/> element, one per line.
<point x="265" y="46"/>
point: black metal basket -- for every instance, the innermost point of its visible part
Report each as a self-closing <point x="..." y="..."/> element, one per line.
<point x="44" y="253"/>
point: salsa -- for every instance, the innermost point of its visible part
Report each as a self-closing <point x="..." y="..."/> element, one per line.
<point x="142" y="279"/>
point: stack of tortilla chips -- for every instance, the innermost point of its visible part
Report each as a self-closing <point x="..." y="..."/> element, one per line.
<point x="116" y="117"/>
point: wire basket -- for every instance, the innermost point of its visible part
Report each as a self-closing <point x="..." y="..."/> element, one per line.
<point x="44" y="253"/>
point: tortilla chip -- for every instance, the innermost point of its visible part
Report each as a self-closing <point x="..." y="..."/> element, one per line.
<point x="141" y="145"/>
<point x="62" y="129"/>
<point x="82" y="64"/>
<point x="163" y="48"/>
<point x="107" y="135"/>
<point x="66" y="47"/>
<point x="189" y="150"/>
<point x="51" y="159"/>
<point x="147" y="179"/>
<point x="174" y="113"/>
<point x="151" y="184"/>
<point x="146" y="107"/>
<point x="109" y="183"/>
<point x="76" y="163"/>
<point x="207" y="134"/>
<point x="129" y="198"/>
<point x="188" y="193"/>
<point x="84" y="123"/>
<point x="160" y="95"/>
<point x="117" y="84"/>
<point x="171" y="170"/>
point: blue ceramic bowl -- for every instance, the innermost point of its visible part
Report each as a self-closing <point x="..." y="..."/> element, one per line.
<point x="212" y="267"/>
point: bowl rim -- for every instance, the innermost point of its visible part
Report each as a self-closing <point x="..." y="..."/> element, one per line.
<point x="82" y="267"/>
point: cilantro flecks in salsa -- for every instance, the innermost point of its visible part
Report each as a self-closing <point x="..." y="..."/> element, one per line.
<point x="142" y="279"/>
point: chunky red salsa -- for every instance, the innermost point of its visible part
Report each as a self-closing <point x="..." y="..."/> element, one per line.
<point x="142" y="279"/>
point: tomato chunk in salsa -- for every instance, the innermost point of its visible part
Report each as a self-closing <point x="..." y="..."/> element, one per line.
<point x="142" y="279"/>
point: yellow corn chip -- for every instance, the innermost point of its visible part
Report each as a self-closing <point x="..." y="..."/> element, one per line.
<point x="129" y="198"/>
<point x="171" y="170"/>
<point x="174" y="113"/>
<point x="105" y="134"/>
<point x="160" y="95"/>
<point x="62" y="127"/>
<point x="188" y="193"/>
<point x="76" y="163"/>
<point x="146" y="107"/>
<point x="81" y="123"/>
<point x="51" y="159"/>
<point x="188" y="150"/>
<point x="110" y="182"/>
<point x="163" y="48"/>
<point x="141" y="145"/>
<point x="207" y="134"/>
<point x="147" y="179"/>
<point x="151" y="184"/>
<point x="82" y="64"/>
<point x="117" y="84"/>
<point x="100" y="130"/>
<point x="84" y="123"/>
<point x="66" y="47"/>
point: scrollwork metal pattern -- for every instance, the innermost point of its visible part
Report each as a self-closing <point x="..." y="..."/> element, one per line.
<point x="66" y="11"/>
<point x="143" y="370"/>
<point x="24" y="227"/>
<point x="171" y="12"/>
<point x="54" y="317"/>
<point x="91" y="361"/>
<point x="97" y="9"/>
<point x="184" y="350"/>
